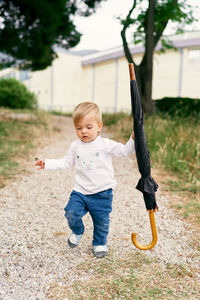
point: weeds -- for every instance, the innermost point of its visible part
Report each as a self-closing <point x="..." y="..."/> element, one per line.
<point x="112" y="119"/>
<point x="175" y="145"/>
<point x="59" y="113"/>
<point x="16" y="141"/>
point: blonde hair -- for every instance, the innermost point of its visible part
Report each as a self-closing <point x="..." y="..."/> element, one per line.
<point x="83" y="109"/>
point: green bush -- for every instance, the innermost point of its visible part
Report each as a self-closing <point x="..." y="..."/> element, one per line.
<point x="181" y="107"/>
<point x="14" y="94"/>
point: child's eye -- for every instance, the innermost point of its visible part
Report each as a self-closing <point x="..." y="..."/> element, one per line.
<point x="78" y="128"/>
<point x="89" y="127"/>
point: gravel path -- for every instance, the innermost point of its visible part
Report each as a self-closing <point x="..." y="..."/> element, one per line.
<point x="33" y="231"/>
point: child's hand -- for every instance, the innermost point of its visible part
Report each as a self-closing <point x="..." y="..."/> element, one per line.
<point x="41" y="164"/>
<point x="133" y="136"/>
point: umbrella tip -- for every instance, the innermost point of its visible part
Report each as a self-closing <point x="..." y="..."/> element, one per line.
<point x="131" y="71"/>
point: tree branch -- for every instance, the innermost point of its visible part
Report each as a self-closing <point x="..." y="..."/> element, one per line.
<point x="127" y="22"/>
<point x="163" y="25"/>
<point x="160" y="32"/>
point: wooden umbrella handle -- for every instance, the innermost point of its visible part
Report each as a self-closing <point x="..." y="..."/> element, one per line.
<point x="131" y="71"/>
<point x="154" y="234"/>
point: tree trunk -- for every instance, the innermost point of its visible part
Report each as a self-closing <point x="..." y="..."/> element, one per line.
<point x="147" y="62"/>
<point x="144" y="71"/>
<point x="144" y="82"/>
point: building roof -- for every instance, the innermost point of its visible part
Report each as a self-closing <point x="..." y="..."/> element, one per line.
<point x="74" y="52"/>
<point x="178" y="41"/>
<point x="83" y="52"/>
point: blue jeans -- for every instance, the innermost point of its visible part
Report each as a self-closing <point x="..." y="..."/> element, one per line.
<point x="98" y="205"/>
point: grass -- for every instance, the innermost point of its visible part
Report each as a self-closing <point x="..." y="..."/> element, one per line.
<point x="17" y="140"/>
<point x="132" y="276"/>
<point x="174" y="145"/>
<point x="59" y="113"/>
<point x="113" y="119"/>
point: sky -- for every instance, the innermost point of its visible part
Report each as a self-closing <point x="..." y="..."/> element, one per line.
<point x="102" y="30"/>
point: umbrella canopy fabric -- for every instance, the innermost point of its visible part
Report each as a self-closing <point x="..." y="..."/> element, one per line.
<point x="146" y="184"/>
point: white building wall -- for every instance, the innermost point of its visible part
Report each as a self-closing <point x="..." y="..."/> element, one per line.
<point x="191" y="73"/>
<point x="104" y="85"/>
<point x="67" y="74"/>
<point x="58" y="87"/>
<point x="40" y="83"/>
<point x="166" y="74"/>
<point x="87" y="83"/>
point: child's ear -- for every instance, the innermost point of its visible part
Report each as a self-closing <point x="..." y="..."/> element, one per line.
<point x="100" y="125"/>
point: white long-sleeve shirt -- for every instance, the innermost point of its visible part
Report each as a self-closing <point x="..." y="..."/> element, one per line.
<point x="93" y="163"/>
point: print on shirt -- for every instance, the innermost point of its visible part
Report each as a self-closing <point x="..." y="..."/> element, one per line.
<point x="88" y="161"/>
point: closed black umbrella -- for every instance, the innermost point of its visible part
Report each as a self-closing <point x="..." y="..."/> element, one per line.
<point x="146" y="184"/>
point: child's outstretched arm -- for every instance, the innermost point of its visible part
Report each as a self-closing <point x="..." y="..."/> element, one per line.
<point x="63" y="163"/>
<point x="41" y="164"/>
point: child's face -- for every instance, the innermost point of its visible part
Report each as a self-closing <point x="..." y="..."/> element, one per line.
<point x="88" y="128"/>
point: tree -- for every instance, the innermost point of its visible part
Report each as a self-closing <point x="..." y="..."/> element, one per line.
<point x="150" y="24"/>
<point x="30" y="29"/>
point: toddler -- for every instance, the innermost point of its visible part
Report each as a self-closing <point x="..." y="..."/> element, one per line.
<point x="94" y="176"/>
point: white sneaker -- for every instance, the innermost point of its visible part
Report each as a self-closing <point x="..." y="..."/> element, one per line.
<point x="100" y="251"/>
<point x="74" y="239"/>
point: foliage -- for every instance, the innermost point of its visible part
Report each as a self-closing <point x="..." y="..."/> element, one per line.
<point x="14" y="94"/>
<point x="181" y="14"/>
<point x="183" y="107"/>
<point x="30" y="29"/>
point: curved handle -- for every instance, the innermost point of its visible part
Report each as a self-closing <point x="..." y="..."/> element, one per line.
<point x="154" y="235"/>
<point x="131" y="72"/>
